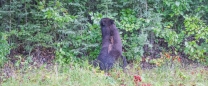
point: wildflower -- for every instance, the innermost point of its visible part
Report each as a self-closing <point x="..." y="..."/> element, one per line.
<point x="137" y="79"/>
<point x="179" y="59"/>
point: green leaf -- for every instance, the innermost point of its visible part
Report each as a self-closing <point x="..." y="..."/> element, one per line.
<point x="177" y="3"/>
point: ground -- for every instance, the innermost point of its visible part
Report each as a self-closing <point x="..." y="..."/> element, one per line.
<point x="76" y="74"/>
<point x="165" y="71"/>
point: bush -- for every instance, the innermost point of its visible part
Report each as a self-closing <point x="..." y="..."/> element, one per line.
<point x="72" y="27"/>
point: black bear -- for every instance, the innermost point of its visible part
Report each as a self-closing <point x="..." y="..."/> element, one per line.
<point x="111" y="45"/>
<point x="115" y="47"/>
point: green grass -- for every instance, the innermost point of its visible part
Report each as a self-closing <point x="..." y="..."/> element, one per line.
<point x="83" y="74"/>
<point x="176" y="76"/>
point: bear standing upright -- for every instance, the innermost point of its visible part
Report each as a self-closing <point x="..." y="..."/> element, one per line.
<point x="111" y="45"/>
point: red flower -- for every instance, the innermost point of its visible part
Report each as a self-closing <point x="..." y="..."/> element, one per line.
<point x="179" y="59"/>
<point x="137" y="78"/>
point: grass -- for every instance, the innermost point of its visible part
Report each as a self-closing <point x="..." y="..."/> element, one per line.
<point x="176" y="77"/>
<point x="82" y="74"/>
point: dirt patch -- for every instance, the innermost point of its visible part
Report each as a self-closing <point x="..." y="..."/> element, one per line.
<point x="42" y="55"/>
<point x="19" y="58"/>
<point x="39" y="55"/>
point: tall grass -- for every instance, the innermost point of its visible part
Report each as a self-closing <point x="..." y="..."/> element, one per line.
<point x="83" y="74"/>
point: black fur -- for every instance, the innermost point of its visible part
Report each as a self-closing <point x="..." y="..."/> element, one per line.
<point x="111" y="45"/>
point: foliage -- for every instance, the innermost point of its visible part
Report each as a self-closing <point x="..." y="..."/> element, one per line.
<point x="166" y="60"/>
<point x="147" y="27"/>
<point x="4" y="48"/>
<point x="84" y="74"/>
<point x="196" y="46"/>
<point x="184" y="28"/>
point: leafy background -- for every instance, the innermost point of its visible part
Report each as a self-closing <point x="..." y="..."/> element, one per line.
<point x="149" y="28"/>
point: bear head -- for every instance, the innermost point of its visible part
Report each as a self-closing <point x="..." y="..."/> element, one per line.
<point x="106" y="22"/>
